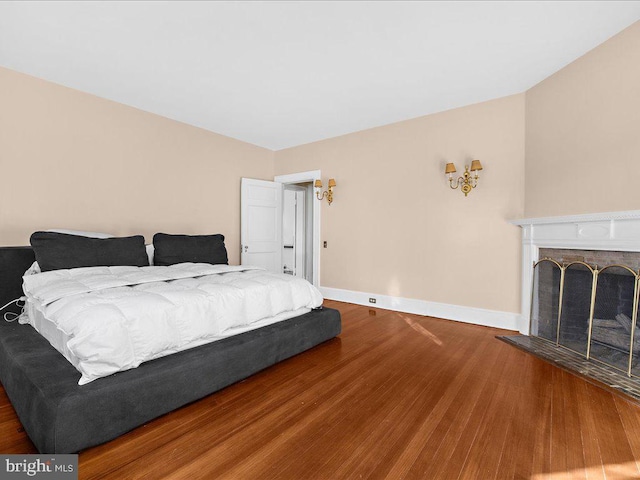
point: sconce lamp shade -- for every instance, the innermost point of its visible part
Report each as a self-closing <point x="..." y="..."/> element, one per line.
<point x="332" y="182"/>
<point x="318" y="184"/>
<point x="476" y="165"/>
<point x="450" y="168"/>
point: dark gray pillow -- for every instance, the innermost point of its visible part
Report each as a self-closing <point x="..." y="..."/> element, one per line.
<point x="172" y="249"/>
<point x="56" y="251"/>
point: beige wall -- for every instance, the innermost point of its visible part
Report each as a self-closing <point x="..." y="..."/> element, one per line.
<point x="583" y="133"/>
<point x="396" y="228"/>
<point x="73" y="160"/>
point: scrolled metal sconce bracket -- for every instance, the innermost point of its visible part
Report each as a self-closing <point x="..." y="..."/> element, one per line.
<point x="328" y="194"/>
<point x="467" y="181"/>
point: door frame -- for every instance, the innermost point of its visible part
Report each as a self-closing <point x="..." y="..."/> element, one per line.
<point x="303" y="177"/>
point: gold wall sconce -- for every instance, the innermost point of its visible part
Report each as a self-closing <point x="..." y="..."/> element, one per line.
<point x="327" y="193"/>
<point x="467" y="181"/>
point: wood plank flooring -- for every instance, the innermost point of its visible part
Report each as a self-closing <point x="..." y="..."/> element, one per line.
<point x="395" y="396"/>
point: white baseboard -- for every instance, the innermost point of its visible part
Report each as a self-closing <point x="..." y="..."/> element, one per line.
<point x="477" y="316"/>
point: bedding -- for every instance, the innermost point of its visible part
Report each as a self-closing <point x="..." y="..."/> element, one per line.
<point x="173" y="249"/>
<point x="115" y="318"/>
<point x="35" y="268"/>
<point x="81" y="233"/>
<point x="56" y="251"/>
<point x="150" y="252"/>
<point x="61" y="416"/>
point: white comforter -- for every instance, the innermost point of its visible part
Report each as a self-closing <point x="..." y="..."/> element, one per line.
<point x="118" y="317"/>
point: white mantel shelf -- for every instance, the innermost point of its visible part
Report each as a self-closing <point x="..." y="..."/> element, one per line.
<point x="618" y="231"/>
<point x="588" y="217"/>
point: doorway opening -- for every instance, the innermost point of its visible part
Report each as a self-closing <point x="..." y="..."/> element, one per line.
<point x="294" y="231"/>
<point x="300" y="226"/>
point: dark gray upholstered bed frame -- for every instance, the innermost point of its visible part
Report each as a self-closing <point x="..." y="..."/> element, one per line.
<point x="62" y="417"/>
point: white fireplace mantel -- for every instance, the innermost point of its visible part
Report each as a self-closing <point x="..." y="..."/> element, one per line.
<point x="619" y="231"/>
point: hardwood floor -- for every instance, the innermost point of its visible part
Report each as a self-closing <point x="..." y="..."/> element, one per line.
<point x="395" y="396"/>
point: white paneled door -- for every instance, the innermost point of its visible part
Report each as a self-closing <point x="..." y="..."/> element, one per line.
<point x="261" y="224"/>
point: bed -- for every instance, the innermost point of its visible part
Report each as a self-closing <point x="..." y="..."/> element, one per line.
<point x="61" y="416"/>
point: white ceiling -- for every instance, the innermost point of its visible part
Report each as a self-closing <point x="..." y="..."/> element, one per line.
<point x="279" y="74"/>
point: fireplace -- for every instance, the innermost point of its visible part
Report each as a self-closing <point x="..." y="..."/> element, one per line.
<point x="580" y="294"/>
<point x="586" y="301"/>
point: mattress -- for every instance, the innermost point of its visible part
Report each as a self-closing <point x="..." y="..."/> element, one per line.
<point x="109" y="319"/>
<point x="59" y="340"/>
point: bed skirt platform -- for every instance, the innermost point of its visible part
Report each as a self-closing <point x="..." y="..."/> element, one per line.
<point x="62" y="417"/>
